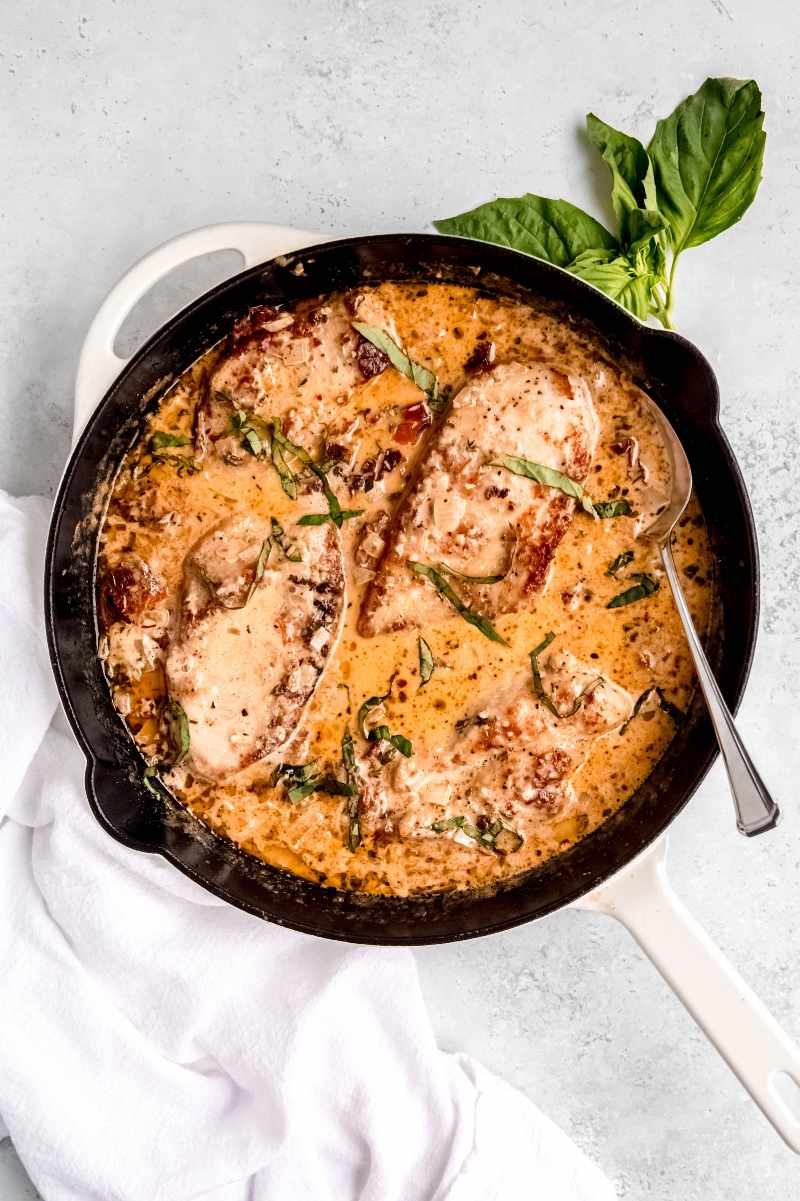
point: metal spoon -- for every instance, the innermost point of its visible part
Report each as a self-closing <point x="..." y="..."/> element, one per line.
<point x="755" y="809"/>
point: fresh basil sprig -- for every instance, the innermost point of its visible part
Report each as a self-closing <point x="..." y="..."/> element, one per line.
<point x="424" y="379"/>
<point x="698" y="176"/>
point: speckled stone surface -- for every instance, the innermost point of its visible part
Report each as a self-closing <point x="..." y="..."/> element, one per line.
<point x="129" y="123"/>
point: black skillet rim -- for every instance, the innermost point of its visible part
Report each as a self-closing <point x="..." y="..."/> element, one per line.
<point x="229" y="873"/>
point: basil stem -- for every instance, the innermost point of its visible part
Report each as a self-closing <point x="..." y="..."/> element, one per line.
<point x="427" y="663"/>
<point x="443" y="588"/>
<point x="548" y="476"/>
<point x="645" y="587"/>
<point x="419" y="375"/>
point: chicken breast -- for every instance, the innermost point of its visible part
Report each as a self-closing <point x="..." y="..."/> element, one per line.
<point x="301" y="367"/>
<point x="510" y="758"/>
<point x="480" y="519"/>
<point x="249" y="648"/>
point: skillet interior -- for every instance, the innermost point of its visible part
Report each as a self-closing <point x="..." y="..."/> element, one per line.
<point x="676" y="375"/>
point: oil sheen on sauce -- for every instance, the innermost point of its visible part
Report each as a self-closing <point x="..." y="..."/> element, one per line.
<point x="162" y="504"/>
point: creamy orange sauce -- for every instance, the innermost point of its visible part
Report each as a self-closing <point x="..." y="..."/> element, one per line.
<point x="160" y="507"/>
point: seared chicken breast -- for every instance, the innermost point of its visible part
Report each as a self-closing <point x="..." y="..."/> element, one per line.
<point x="465" y="513"/>
<point x="511" y="758"/>
<point x="253" y="635"/>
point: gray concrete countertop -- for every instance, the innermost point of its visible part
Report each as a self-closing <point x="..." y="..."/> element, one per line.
<point x="127" y="124"/>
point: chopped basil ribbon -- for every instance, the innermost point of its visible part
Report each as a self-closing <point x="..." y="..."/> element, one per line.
<point x="419" y="375"/>
<point x="483" y="579"/>
<point x="443" y="588"/>
<point x="301" y="779"/>
<point x="322" y="518"/>
<point x="427" y="663"/>
<point x="672" y="711"/>
<point x="157" y="788"/>
<point x="258" y="574"/>
<point x="254" y="432"/>
<point x="177" y="731"/>
<point x="538" y="686"/>
<point x="613" y="508"/>
<point x="645" y="587"/>
<point x="335" y="512"/>
<point x="351" y="808"/>
<point x="497" y="837"/>
<point x="548" y="476"/>
<point x="621" y="561"/>
<point x="183" y="464"/>
<point x="292" y="551"/>
<point x="160" y="439"/>
<point x="381" y="733"/>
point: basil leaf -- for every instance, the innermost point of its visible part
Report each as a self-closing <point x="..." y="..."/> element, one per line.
<point x="615" y="275"/>
<point x="177" y="731"/>
<point x="547" y="476"/>
<point x="351" y="808"/>
<point x="427" y="663"/>
<point x="443" y="588"/>
<point x="424" y="379"/>
<point x="160" y="439"/>
<point x="613" y="508"/>
<point x="321" y="518"/>
<point x="632" y="180"/>
<point x="646" y="587"/>
<point x="619" y="562"/>
<point x="707" y="158"/>
<point x="554" y="230"/>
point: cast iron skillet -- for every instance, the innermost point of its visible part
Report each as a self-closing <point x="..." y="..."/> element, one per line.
<point x="676" y="375"/>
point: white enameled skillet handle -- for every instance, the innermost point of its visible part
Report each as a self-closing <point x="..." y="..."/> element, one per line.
<point x="98" y="365"/>
<point x="758" y="1051"/>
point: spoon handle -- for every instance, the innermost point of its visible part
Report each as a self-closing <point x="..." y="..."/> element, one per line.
<point x="755" y="809"/>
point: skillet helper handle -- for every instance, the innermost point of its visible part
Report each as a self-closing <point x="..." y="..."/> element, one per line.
<point x="755" y="809"/>
<point x="99" y="365"/>
<point x="765" y="1059"/>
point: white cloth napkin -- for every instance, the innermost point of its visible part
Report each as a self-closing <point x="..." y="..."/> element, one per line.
<point x="157" y="1044"/>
